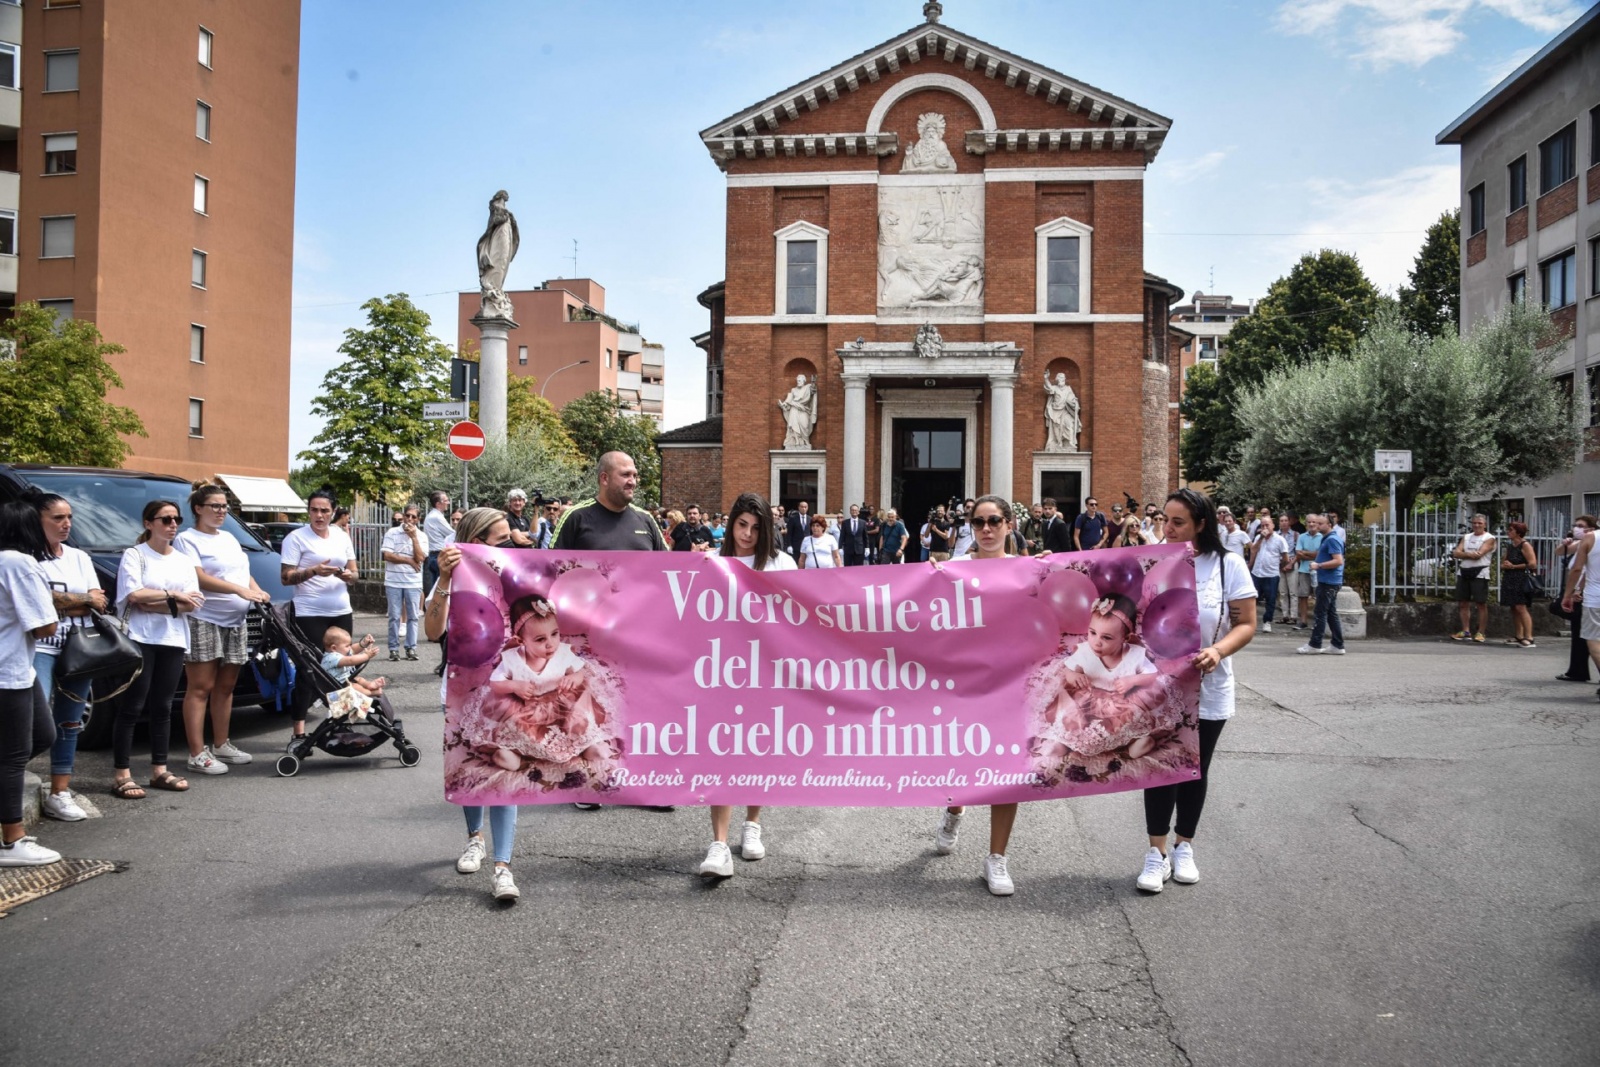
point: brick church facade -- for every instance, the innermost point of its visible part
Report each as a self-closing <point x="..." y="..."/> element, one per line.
<point x="928" y="246"/>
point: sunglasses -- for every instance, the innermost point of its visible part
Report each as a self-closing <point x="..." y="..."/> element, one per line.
<point x="991" y="521"/>
<point x="173" y="519"/>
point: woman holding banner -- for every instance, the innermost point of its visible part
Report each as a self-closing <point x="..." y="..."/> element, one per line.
<point x="1228" y="620"/>
<point x="480" y="526"/>
<point x="752" y="541"/>
<point x="990" y="522"/>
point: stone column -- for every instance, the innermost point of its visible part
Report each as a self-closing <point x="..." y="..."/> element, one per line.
<point x="492" y="371"/>
<point x="855" y="440"/>
<point x="1002" y="423"/>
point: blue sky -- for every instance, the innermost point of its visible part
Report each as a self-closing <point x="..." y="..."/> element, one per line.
<point x="1296" y="125"/>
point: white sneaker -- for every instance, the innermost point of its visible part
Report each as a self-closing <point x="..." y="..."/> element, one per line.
<point x="206" y="763"/>
<point x="949" y="833"/>
<point x="1157" y="869"/>
<point x="228" y="752"/>
<point x="505" y="887"/>
<point x="1332" y="651"/>
<point x="752" y="849"/>
<point x="64" y="806"/>
<point x="27" y="852"/>
<point x="472" y="858"/>
<point x="718" y="862"/>
<point x="1183" y="868"/>
<point x="996" y="875"/>
<point x="1266" y="627"/>
<point x="1308" y="650"/>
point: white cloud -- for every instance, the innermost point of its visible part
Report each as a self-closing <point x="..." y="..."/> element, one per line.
<point x="1411" y="32"/>
<point x="1182" y="171"/>
<point x="1501" y="71"/>
<point x="1381" y="221"/>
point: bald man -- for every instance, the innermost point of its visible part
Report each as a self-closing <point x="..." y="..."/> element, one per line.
<point x="611" y="522"/>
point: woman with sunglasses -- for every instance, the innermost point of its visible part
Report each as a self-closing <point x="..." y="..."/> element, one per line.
<point x="480" y="526"/>
<point x="156" y="588"/>
<point x="319" y="561"/>
<point x="218" y="645"/>
<point x="990" y="521"/>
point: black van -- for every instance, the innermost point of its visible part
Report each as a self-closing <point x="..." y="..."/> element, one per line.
<point x="106" y="510"/>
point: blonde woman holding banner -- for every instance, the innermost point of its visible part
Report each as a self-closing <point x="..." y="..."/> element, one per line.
<point x="990" y="521"/>
<point x="750" y="540"/>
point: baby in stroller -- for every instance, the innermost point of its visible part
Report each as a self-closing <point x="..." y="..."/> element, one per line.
<point x="340" y="658"/>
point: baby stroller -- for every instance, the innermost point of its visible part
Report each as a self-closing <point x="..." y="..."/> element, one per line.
<point x="335" y="736"/>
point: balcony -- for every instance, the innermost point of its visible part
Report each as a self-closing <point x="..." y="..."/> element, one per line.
<point x="652" y="391"/>
<point x="629" y="343"/>
<point x="628" y="382"/>
<point x="8" y="275"/>
<point x="10" y="190"/>
<point x="10" y="109"/>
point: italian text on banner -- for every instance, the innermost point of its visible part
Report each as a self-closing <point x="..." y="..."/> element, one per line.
<point x="670" y="678"/>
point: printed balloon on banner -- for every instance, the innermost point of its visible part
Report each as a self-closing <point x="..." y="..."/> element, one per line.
<point x="578" y="595"/>
<point x="1174" y="573"/>
<point x="1070" y="594"/>
<point x="1170" y="625"/>
<point x="477" y="629"/>
<point x="528" y="574"/>
<point x="1118" y="573"/>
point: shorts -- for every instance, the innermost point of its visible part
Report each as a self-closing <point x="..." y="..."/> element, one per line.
<point x="1589" y="627"/>
<point x="1300" y="584"/>
<point x="209" y="642"/>
<point x="1472" y="586"/>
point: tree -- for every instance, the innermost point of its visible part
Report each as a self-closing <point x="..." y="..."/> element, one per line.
<point x="372" y="402"/>
<point x="1320" y="308"/>
<point x="1431" y="304"/>
<point x="1475" y="412"/>
<point x="527" y="410"/>
<point x="525" y="461"/>
<point x="1202" y="395"/>
<point x="53" y="405"/>
<point x="599" y="423"/>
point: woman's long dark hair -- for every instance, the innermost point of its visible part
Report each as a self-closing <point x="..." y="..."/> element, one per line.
<point x="751" y="504"/>
<point x="1203" y="513"/>
<point x="151" y="510"/>
<point x="21" y="530"/>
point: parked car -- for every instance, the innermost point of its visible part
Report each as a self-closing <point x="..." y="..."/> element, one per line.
<point x="106" y="520"/>
<point x="274" y="532"/>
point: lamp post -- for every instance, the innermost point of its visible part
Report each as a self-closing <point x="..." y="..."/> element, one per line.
<point x="558" y="370"/>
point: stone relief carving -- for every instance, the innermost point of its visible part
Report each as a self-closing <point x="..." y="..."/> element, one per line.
<point x="929" y="155"/>
<point x="930" y="246"/>
<point x="1062" y="417"/>
<point x="929" y="345"/>
<point x="799" y="409"/>
<point x="496" y="249"/>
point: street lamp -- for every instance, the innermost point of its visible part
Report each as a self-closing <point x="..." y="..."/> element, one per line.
<point x="558" y="370"/>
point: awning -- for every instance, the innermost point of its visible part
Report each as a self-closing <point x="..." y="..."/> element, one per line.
<point x="263" y="494"/>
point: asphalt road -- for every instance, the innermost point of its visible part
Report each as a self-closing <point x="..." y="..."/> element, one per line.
<point x="1397" y="867"/>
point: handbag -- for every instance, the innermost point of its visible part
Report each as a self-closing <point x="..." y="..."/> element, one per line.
<point x="97" y="650"/>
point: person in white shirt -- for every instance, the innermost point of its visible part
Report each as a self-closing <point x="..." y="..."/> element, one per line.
<point x="1234" y="539"/>
<point x="752" y="540"/>
<point x="319" y="561"/>
<point x="1227" y="600"/>
<point x="156" y="587"/>
<point x="218" y="644"/>
<point x="1472" y="578"/>
<point x="441" y="534"/>
<point x="820" y="549"/>
<point x="1266" y="564"/>
<point x="27" y="614"/>
<point x="405" y="552"/>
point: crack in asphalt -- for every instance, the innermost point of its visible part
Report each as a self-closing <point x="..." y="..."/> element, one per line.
<point x="1285" y="709"/>
<point x="758" y="968"/>
<point x="1355" y="813"/>
<point x="1349" y="761"/>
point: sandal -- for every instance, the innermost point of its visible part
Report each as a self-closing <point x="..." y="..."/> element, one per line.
<point x="127" y="789"/>
<point x="170" y="782"/>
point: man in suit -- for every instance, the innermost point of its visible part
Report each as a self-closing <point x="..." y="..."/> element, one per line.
<point x="1055" y="535"/>
<point x="797" y="525"/>
<point x="853" y="538"/>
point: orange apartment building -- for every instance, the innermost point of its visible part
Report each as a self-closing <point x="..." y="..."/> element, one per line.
<point x="567" y="342"/>
<point x="155" y="162"/>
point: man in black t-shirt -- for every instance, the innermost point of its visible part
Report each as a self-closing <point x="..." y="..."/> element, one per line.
<point x="941" y="535"/>
<point x="691" y="534"/>
<point x="517" y="517"/>
<point x="611" y="522"/>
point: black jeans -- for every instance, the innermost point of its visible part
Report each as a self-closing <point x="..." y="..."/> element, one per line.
<point x="1327" y="600"/>
<point x="1187" y="798"/>
<point x="26" y="729"/>
<point x="151" y="693"/>
<point x="314" y="628"/>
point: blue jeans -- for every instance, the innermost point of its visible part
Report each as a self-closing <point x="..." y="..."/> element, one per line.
<point x="1327" y="594"/>
<point x="68" y="709"/>
<point x="1267" y="588"/>
<point x="411" y="601"/>
<point x="430" y="572"/>
<point x="502" y="827"/>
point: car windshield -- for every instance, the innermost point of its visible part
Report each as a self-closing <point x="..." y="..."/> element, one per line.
<point x="106" y="509"/>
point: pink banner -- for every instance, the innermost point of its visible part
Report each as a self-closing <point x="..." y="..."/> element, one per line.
<point x="681" y="678"/>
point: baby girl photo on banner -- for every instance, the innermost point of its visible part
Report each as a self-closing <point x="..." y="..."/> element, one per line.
<point x="666" y="678"/>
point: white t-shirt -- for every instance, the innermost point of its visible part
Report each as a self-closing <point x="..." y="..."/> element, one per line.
<point x="1269" y="556"/>
<point x="817" y="552"/>
<point x="1475" y="543"/>
<point x="326" y="596"/>
<point x="781" y="562"/>
<point x="70" y="572"/>
<point x="1235" y="540"/>
<point x="963" y="539"/>
<point x="1216" y="590"/>
<point x="1134" y="661"/>
<point x="220" y="556"/>
<point x="145" y="568"/>
<point x="25" y="605"/>
<point x="402" y="575"/>
<point x="436" y="525"/>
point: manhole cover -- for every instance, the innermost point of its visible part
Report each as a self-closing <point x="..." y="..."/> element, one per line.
<point x="18" y="885"/>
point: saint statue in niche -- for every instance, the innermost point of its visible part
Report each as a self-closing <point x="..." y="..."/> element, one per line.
<point x="1063" y="422"/>
<point x="799" y="409"/>
<point x="929" y="155"/>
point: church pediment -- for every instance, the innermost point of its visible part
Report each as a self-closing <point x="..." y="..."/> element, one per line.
<point x="1078" y="115"/>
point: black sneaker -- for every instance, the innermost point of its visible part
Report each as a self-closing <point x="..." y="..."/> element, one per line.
<point x="394" y="656"/>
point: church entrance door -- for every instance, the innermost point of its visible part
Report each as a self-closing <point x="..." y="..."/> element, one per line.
<point x="928" y="465"/>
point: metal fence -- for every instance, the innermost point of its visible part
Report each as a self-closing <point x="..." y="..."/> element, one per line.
<point x="1412" y="558"/>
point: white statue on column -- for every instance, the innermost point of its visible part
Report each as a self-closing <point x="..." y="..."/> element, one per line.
<point x="1063" y="422"/>
<point x="799" y="413"/>
<point x="496" y="249"/>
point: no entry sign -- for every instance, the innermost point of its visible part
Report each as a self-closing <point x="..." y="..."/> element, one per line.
<point x="466" y="441"/>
